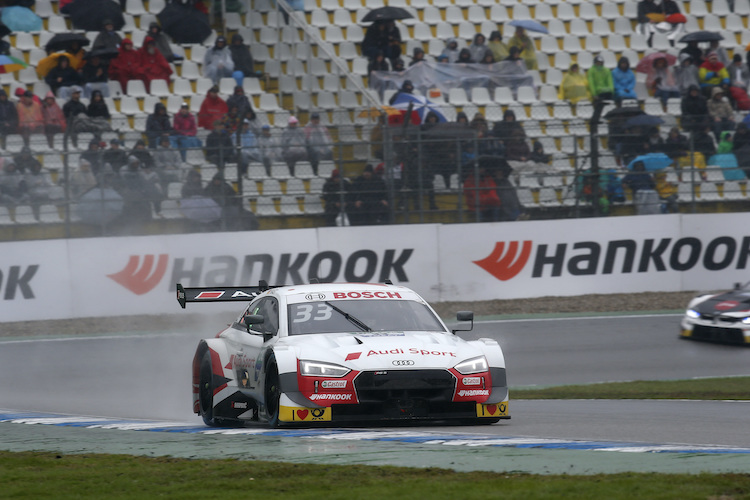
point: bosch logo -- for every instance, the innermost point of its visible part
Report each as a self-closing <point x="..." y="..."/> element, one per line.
<point x="315" y="296"/>
<point x="403" y="362"/>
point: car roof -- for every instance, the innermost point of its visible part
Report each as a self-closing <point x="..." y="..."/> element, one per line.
<point x="343" y="291"/>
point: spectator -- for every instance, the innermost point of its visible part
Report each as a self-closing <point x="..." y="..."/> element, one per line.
<point x="75" y="53"/>
<point x="71" y="110"/>
<point x="54" y="119"/>
<point x="157" y="125"/>
<point x="741" y="136"/>
<point x="293" y="144"/>
<point x="248" y="146"/>
<point x="244" y="66"/>
<point x="720" y="111"/>
<point x="95" y="75"/>
<point x="234" y="215"/>
<point x="30" y="118"/>
<point x="516" y="148"/>
<point x="393" y="36"/>
<point x="127" y="65"/>
<point x="167" y="163"/>
<point x="694" y="110"/>
<point x="13" y="190"/>
<point x="94" y="156"/>
<point x="479" y="123"/>
<point x="623" y="79"/>
<point x="193" y="185"/>
<point x="114" y="156"/>
<point x="661" y="81"/>
<point x="574" y="86"/>
<point x="510" y="206"/>
<point x="704" y="146"/>
<point x="184" y="131"/>
<point x="600" y="80"/>
<point x="649" y="11"/>
<point x="406" y="88"/>
<point x="319" y="142"/>
<point x="712" y="74"/>
<point x="376" y="40"/>
<point x="464" y="57"/>
<point x="219" y="147"/>
<point x="528" y="51"/>
<point x="24" y="160"/>
<point x="137" y="194"/>
<point x="739" y="74"/>
<point x="504" y="129"/>
<point x="398" y="65"/>
<point x="212" y="109"/>
<point x="451" y="50"/>
<point x="654" y="141"/>
<point x="377" y="63"/>
<point x="153" y="64"/>
<point x="538" y="155"/>
<point x="489" y="58"/>
<point x="217" y="63"/>
<point x="721" y="52"/>
<point x="480" y="191"/>
<point x="269" y="148"/>
<point x="643" y="187"/>
<point x="695" y="53"/>
<point x="417" y="56"/>
<point x="462" y="118"/>
<point x="161" y="41"/>
<point x="107" y="40"/>
<point x="676" y="145"/>
<point x="8" y="118"/>
<point x="369" y="199"/>
<point x="239" y="101"/>
<point x="667" y="191"/>
<point x="478" y="48"/>
<point x="97" y="107"/>
<point x="685" y="74"/>
<point x="499" y="49"/>
<point x="40" y="187"/>
<point x="335" y="195"/>
<point x="231" y="119"/>
<point x="141" y="152"/>
<point x="62" y="78"/>
<point x="82" y="179"/>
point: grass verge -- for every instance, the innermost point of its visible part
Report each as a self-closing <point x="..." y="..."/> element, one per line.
<point x="703" y="388"/>
<point x="48" y="475"/>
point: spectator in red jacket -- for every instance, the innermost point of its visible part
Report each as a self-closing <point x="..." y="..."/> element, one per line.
<point x="155" y="66"/>
<point x="127" y="65"/>
<point x="212" y="109"/>
<point x="184" y="130"/>
<point x="481" y="196"/>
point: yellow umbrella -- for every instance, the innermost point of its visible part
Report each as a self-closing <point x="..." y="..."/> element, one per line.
<point x="46" y="64"/>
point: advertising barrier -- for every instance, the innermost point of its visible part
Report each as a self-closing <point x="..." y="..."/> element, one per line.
<point x="55" y="279"/>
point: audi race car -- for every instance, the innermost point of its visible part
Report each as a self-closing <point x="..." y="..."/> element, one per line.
<point x="336" y="353"/>
<point x="723" y="318"/>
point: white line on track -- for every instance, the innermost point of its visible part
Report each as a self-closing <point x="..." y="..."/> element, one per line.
<point x="585" y="318"/>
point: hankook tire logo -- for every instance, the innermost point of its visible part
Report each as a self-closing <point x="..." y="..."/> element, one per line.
<point x="403" y="362"/>
<point x="315" y="296"/>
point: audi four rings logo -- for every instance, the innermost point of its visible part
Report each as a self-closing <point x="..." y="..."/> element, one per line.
<point x="315" y="296"/>
<point x="403" y="362"/>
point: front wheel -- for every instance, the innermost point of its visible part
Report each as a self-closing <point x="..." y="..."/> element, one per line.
<point x="272" y="393"/>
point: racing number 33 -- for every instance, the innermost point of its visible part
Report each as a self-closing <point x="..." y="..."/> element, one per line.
<point x="304" y="313"/>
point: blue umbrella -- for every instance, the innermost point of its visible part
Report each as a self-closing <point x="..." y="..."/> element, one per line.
<point x="529" y="25"/>
<point x="420" y="104"/>
<point x="652" y="162"/>
<point x="21" y="19"/>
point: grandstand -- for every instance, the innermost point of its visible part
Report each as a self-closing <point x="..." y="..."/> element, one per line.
<point x="313" y="63"/>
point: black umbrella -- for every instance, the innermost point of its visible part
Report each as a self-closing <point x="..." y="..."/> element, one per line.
<point x="89" y="14"/>
<point x="385" y="14"/>
<point x="4" y="30"/>
<point x="701" y="36"/>
<point x="103" y="53"/>
<point x="63" y="41"/>
<point x="184" y="24"/>
<point x="644" y="120"/>
<point x="623" y="112"/>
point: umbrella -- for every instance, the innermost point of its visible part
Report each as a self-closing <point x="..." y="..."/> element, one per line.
<point x="385" y="14"/>
<point x="201" y="209"/>
<point x="4" y="30"/>
<point x="420" y="105"/>
<point x="45" y="65"/>
<point x="10" y="64"/>
<point x="103" y="53"/>
<point x="646" y="64"/>
<point x="529" y="25"/>
<point x="652" y="161"/>
<point x="623" y="112"/>
<point x="21" y="19"/>
<point x="184" y="24"/>
<point x="644" y="120"/>
<point x="64" y="41"/>
<point x="90" y="14"/>
<point x="701" y="36"/>
<point x="99" y="206"/>
<point x="453" y="130"/>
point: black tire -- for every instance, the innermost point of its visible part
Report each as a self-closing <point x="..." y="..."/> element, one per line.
<point x="206" y="392"/>
<point x="272" y="393"/>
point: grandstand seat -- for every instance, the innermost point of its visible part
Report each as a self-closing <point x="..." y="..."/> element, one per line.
<point x="457" y="97"/>
<point x="623" y="26"/>
<point x="25" y="41"/>
<point x="600" y="27"/>
<point x="466" y="30"/>
<point x="556" y="28"/>
<point x="503" y="95"/>
<point x="313" y="204"/>
<point x="268" y="102"/>
<point x="593" y="43"/>
<point x="539" y="111"/>
<point x="480" y="96"/>
<point x="526" y="95"/>
<point x="159" y="88"/>
<point x="562" y="60"/>
<point x="549" y="45"/>
<point x="548" y="93"/>
<point x="572" y="44"/>
<point x="136" y="88"/>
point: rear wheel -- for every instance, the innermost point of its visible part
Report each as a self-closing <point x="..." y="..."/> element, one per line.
<point x="272" y="393"/>
<point x="206" y="393"/>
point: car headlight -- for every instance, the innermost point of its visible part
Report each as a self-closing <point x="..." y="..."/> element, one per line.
<point x="746" y="321"/>
<point x="318" y="369"/>
<point x="692" y="313"/>
<point x="473" y="365"/>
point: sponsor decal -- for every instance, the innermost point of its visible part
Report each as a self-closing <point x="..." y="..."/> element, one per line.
<point x="474" y="392"/>
<point x="239" y="405"/>
<point x="210" y="295"/>
<point x="315" y="296"/>
<point x="353" y="355"/>
<point x="292" y="414"/>
<point x="333" y="384"/>
<point x="471" y="380"/>
<point x="380" y="334"/>
<point x="412" y="350"/>
<point x="726" y="305"/>
<point x="403" y="362"/>
<point x="624" y="256"/>
<point x="366" y="295"/>
<point x="17" y="281"/>
<point x="330" y="397"/>
<point x="496" y="410"/>
<point x="142" y="277"/>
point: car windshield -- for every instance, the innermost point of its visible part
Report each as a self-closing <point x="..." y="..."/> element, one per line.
<point x="349" y="316"/>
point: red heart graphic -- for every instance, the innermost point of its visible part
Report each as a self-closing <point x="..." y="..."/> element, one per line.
<point x="491" y="409"/>
<point x="302" y="414"/>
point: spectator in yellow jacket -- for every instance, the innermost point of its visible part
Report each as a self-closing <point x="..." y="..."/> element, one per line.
<point x="574" y="86"/>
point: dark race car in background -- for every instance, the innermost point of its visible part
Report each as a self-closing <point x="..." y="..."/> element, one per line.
<point x="722" y="318"/>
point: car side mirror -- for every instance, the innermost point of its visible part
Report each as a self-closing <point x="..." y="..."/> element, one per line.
<point x="464" y="316"/>
<point x="253" y="319"/>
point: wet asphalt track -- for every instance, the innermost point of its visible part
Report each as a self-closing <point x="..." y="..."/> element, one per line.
<point x="148" y="377"/>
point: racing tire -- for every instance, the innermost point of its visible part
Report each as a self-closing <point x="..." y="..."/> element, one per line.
<point x="206" y="393"/>
<point x="480" y="421"/>
<point x="272" y="393"/>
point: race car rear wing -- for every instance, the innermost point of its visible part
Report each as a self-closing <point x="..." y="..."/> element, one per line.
<point x="220" y="293"/>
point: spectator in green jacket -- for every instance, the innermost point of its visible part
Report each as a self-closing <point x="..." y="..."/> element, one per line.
<point x="600" y="80"/>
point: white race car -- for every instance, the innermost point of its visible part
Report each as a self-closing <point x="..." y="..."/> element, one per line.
<point x="723" y="318"/>
<point x="329" y="353"/>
